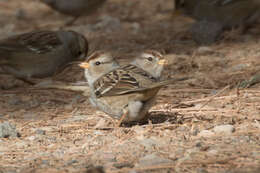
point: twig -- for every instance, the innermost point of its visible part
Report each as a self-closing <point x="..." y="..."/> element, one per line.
<point x="214" y="96"/>
<point x="206" y="99"/>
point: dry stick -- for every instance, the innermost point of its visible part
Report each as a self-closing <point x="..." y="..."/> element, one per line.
<point x="146" y="168"/>
<point x="201" y="100"/>
<point x="214" y="96"/>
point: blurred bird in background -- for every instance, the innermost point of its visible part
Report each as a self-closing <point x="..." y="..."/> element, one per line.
<point x="40" y="54"/>
<point x="74" y="8"/>
<point x="214" y="16"/>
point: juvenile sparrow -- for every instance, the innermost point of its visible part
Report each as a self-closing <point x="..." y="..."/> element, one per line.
<point x="126" y="92"/>
<point x="75" y="8"/>
<point x="218" y="15"/>
<point x="40" y="54"/>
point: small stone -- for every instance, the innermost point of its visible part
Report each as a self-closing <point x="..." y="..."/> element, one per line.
<point x="201" y="170"/>
<point x="101" y="123"/>
<point x="204" y="50"/>
<point x="31" y="138"/>
<point x="239" y="67"/>
<point x="198" y="144"/>
<point x="21" y="14"/>
<point x="14" y="101"/>
<point x="71" y="162"/>
<point x="148" y="143"/>
<point x="40" y="132"/>
<point x="8" y="130"/>
<point x="213" y="152"/>
<point x="106" y="156"/>
<point x="205" y="133"/>
<point x="151" y="160"/>
<point x="224" y="129"/>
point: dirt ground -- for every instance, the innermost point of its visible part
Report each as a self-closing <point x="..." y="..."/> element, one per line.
<point x="203" y="125"/>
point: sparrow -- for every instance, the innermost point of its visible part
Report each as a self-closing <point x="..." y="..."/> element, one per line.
<point x="74" y="8"/>
<point x="218" y="15"/>
<point x="40" y="54"/>
<point x="124" y="92"/>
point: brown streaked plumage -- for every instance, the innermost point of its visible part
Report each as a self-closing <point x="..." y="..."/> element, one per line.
<point x="127" y="91"/>
<point x="40" y="54"/>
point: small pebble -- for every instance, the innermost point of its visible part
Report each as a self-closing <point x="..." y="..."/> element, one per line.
<point x="224" y="129"/>
<point x="8" y="130"/>
<point x="40" y="132"/>
<point x="206" y="133"/>
<point x="152" y="159"/>
<point x="204" y="50"/>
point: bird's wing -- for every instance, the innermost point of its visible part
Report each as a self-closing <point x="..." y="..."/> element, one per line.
<point x="124" y="80"/>
<point x="38" y="42"/>
<point x="117" y="82"/>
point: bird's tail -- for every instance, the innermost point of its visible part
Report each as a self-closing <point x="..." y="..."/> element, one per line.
<point x="167" y="82"/>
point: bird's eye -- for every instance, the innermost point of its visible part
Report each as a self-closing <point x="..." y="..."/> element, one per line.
<point x="79" y="52"/>
<point x="97" y="63"/>
<point x="150" y="59"/>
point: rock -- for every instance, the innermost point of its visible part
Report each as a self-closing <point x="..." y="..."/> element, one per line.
<point x="224" y="129"/>
<point x="151" y="160"/>
<point x="14" y="101"/>
<point x="71" y="162"/>
<point x="40" y="132"/>
<point x="201" y="170"/>
<point x="8" y="130"/>
<point x="239" y="67"/>
<point x="149" y="143"/>
<point x="203" y="50"/>
<point x="21" y="14"/>
<point x="31" y="138"/>
<point x="205" y="133"/>
<point x="106" y="157"/>
<point x="213" y="152"/>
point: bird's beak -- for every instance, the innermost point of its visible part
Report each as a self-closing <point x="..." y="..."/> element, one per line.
<point x="84" y="65"/>
<point x="162" y="62"/>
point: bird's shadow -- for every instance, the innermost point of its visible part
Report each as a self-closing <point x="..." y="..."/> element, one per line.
<point x="158" y="117"/>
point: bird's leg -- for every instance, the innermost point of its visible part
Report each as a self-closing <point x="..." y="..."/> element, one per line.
<point x="125" y="113"/>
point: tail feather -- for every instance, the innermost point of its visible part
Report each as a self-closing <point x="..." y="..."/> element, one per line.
<point x="167" y="82"/>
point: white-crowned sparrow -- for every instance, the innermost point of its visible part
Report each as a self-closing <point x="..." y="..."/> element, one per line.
<point x="75" y="8"/>
<point x="214" y="16"/>
<point x="124" y="92"/>
<point x="40" y="54"/>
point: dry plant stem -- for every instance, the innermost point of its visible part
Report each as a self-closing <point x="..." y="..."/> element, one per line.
<point x="163" y="166"/>
<point x="214" y="96"/>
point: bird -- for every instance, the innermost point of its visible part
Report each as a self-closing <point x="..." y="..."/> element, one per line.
<point x="124" y="92"/>
<point x="74" y="8"/>
<point x="40" y="54"/>
<point x="218" y="15"/>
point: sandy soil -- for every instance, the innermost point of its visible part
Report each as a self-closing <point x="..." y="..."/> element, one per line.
<point x="61" y="132"/>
